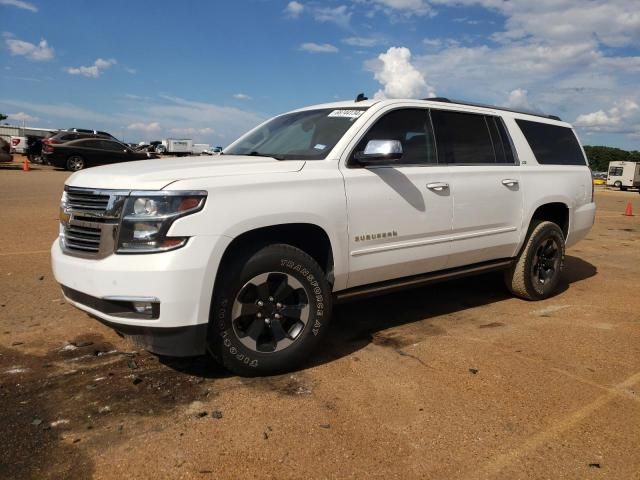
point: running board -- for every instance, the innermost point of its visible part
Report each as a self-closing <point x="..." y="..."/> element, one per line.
<point x="419" y="280"/>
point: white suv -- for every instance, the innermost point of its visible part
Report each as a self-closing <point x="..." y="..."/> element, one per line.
<point x="243" y="255"/>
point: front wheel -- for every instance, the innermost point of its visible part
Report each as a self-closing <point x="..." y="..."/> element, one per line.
<point x="75" y="163"/>
<point x="536" y="272"/>
<point x="270" y="311"/>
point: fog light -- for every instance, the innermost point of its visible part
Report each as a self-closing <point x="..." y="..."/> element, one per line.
<point x="145" y="308"/>
<point x="145" y="231"/>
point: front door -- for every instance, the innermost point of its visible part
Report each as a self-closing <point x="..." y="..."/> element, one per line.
<point x="400" y="214"/>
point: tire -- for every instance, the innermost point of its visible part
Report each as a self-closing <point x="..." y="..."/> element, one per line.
<point x="536" y="272"/>
<point x="617" y="184"/>
<point x="253" y="291"/>
<point x="75" y="163"/>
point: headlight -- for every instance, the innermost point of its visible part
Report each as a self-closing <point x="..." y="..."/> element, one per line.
<point x="149" y="215"/>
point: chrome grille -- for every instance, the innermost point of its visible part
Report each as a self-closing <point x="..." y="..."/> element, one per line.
<point x="87" y="200"/>
<point x="85" y="239"/>
<point x="89" y="220"/>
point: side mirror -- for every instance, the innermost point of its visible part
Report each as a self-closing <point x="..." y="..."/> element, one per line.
<point x="380" y="151"/>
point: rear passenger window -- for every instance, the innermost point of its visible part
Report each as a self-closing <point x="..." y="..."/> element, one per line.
<point x="462" y="138"/>
<point x="551" y="144"/>
<point x="412" y="127"/>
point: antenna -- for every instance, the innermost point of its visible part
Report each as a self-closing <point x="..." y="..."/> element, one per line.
<point x="361" y="97"/>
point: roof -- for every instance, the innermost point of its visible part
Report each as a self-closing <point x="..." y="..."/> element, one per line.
<point x="493" y="107"/>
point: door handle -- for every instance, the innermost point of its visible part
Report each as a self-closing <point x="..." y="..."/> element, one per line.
<point x="438" y="186"/>
<point x="510" y="182"/>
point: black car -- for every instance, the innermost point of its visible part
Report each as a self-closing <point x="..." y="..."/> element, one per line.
<point x="5" y="151"/>
<point x="76" y="134"/>
<point x="75" y="155"/>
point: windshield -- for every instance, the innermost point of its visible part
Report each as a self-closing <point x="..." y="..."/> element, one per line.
<point x="307" y="135"/>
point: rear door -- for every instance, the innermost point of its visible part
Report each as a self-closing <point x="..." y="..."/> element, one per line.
<point x="399" y="213"/>
<point x="485" y="186"/>
<point x="114" y="152"/>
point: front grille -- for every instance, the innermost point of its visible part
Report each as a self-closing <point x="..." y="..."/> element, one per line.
<point x="87" y="200"/>
<point x="85" y="239"/>
<point x="90" y="219"/>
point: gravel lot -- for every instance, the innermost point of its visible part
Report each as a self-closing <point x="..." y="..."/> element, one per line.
<point x="458" y="380"/>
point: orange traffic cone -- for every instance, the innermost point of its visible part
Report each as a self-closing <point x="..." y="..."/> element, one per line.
<point x="25" y="165"/>
<point x="628" y="212"/>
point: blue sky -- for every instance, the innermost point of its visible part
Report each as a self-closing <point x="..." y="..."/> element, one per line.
<point x="211" y="70"/>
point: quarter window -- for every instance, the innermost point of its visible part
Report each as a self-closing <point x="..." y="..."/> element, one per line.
<point x="463" y="138"/>
<point x="412" y="128"/>
<point x="552" y="144"/>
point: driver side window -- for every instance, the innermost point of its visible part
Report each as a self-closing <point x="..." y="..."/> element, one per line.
<point x="412" y="128"/>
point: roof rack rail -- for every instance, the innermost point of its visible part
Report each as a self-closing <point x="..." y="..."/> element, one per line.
<point x="495" y="107"/>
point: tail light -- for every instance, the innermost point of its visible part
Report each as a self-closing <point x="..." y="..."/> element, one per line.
<point x="15" y="141"/>
<point x="47" y="148"/>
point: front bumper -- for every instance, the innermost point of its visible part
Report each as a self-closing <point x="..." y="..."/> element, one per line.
<point x="181" y="281"/>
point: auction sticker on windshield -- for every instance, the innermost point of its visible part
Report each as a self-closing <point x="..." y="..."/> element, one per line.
<point x="346" y="113"/>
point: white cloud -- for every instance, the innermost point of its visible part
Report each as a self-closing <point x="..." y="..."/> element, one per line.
<point x="362" y="42"/>
<point x="241" y="96"/>
<point x="145" y="127"/>
<point x="294" y="9"/>
<point x="405" y="7"/>
<point x="21" y="117"/>
<point x="556" y="56"/>
<point x="192" y="131"/>
<point x="64" y="111"/>
<point x="20" y="4"/>
<point x="518" y="98"/>
<point x="40" y="52"/>
<point x="617" y="116"/>
<point x="93" y="71"/>
<point x="340" y="15"/>
<point x="398" y="76"/>
<point x="207" y="120"/>
<point x="318" y="48"/>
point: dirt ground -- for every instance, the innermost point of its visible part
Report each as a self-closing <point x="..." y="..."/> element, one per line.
<point x="457" y="380"/>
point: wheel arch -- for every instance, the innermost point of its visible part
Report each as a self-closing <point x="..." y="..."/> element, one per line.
<point x="556" y="212"/>
<point x="308" y="237"/>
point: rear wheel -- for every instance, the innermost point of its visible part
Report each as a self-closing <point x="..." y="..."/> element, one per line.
<point x="75" y="163"/>
<point x="536" y="272"/>
<point x="271" y="309"/>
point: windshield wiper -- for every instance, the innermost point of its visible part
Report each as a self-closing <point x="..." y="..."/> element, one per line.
<point x="258" y="154"/>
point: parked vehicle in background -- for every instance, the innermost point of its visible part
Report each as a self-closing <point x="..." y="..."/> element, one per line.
<point x="599" y="178"/>
<point x="213" y="151"/>
<point x="77" y="154"/>
<point x="200" y="148"/>
<point x="76" y="134"/>
<point x="244" y="256"/>
<point x="624" y="175"/>
<point x="5" y="151"/>
<point x="18" y="144"/>
<point x="175" y="146"/>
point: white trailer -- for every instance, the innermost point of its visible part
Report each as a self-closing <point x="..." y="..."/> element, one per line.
<point x="18" y="144"/>
<point x="623" y="175"/>
<point x="175" y="146"/>
<point x="200" y="148"/>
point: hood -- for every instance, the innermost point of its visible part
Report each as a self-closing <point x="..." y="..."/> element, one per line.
<point x="158" y="173"/>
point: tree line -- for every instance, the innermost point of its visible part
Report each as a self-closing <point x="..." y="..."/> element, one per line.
<point x="599" y="157"/>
